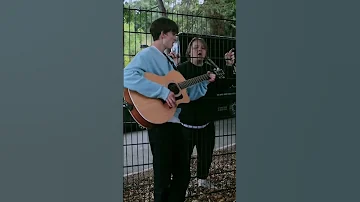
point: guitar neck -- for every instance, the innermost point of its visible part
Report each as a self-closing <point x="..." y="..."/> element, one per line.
<point x="193" y="81"/>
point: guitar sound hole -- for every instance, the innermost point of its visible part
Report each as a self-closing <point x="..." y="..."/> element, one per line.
<point x="173" y="87"/>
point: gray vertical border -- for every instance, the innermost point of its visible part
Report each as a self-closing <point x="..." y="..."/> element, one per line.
<point x="298" y="101"/>
<point x="61" y="81"/>
<point x="238" y="71"/>
<point x="121" y="87"/>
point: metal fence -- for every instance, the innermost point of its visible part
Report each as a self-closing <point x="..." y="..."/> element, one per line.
<point x="138" y="179"/>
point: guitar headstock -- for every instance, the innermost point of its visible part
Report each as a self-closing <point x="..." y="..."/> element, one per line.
<point x="219" y="73"/>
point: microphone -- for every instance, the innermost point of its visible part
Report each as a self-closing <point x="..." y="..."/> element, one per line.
<point x="218" y="71"/>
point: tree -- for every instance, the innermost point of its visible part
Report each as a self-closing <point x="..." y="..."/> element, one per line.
<point x="222" y="9"/>
<point x="190" y="15"/>
<point x="132" y="42"/>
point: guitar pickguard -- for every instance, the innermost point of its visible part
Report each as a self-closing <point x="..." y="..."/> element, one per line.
<point x="179" y="97"/>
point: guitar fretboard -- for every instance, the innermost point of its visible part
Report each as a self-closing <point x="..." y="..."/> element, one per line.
<point x="195" y="80"/>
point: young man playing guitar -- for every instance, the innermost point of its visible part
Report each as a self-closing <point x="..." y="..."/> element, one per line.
<point x="167" y="143"/>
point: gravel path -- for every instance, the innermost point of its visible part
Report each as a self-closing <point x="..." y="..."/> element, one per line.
<point x="139" y="187"/>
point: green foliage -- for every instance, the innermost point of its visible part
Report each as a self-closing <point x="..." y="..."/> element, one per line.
<point x="189" y="24"/>
<point x="132" y="42"/>
<point x="140" y="20"/>
<point x="224" y="9"/>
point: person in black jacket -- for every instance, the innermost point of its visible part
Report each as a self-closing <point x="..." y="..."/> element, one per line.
<point x="198" y="116"/>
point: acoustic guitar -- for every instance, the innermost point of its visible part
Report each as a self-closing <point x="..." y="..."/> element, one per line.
<point x="149" y="111"/>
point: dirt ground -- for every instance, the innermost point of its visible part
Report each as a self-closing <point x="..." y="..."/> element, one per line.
<point x="139" y="187"/>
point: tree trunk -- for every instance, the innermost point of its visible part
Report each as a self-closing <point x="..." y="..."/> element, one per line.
<point x="217" y="27"/>
<point x="162" y="7"/>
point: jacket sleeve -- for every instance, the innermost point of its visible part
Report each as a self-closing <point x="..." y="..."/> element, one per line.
<point x="134" y="80"/>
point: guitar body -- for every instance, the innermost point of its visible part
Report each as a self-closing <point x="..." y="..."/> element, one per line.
<point x="149" y="111"/>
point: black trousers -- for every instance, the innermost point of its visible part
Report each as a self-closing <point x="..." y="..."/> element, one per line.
<point x="204" y="140"/>
<point x="169" y="149"/>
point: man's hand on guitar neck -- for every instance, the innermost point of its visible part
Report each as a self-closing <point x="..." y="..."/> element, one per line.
<point x="171" y="100"/>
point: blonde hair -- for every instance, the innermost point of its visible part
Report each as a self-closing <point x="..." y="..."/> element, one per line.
<point x="188" y="50"/>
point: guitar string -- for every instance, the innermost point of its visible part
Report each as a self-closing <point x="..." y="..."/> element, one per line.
<point x="193" y="81"/>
